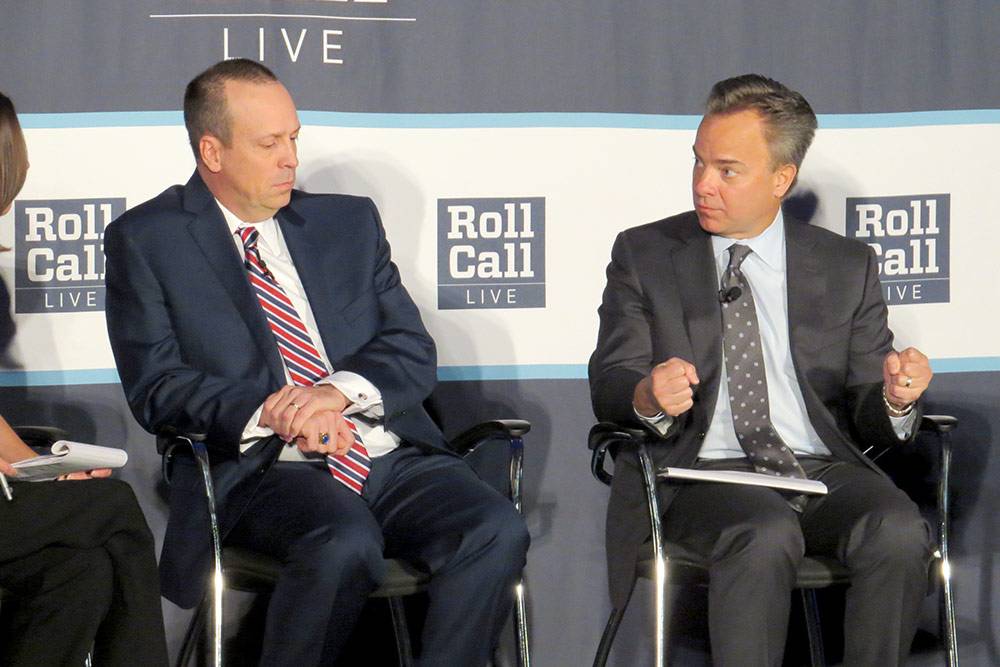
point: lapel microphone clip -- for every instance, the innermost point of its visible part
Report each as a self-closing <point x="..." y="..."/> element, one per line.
<point x="730" y="294"/>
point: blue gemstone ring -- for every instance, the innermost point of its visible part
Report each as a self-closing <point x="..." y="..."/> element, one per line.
<point x="324" y="438"/>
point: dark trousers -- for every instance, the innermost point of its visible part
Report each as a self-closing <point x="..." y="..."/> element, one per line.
<point x="753" y="541"/>
<point x="431" y="510"/>
<point x="78" y="558"/>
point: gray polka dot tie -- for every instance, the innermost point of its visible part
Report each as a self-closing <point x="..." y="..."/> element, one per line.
<point x="746" y="378"/>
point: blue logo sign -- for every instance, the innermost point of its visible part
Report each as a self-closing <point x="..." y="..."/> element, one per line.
<point x="59" y="260"/>
<point x="910" y="234"/>
<point x="491" y="253"/>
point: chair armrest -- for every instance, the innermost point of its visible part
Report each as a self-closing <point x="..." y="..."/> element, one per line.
<point x="938" y="423"/>
<point x="608" y="437"/>
<point x="38" y="437"/>
<point x="168" y="437"/>
<point x="467" y="441"/>
<point x="167" y="441"/>
<point x="513" y="431"/>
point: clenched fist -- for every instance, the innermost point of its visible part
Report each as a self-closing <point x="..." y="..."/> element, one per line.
<point x="669" y="388"/>
<point x="906" y="375"/>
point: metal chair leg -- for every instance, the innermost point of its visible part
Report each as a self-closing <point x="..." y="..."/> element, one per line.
<point x="193" y="634"/>
<point x="948" y="630"/>
<point x="521" y="625"/>
<point x="608" y="638"/>
<point x="947" y="599"/>
<point x="217" y="584"/>
<point x="401" y="630"/>
<point x="659" y="556"/>
<point x="814" y="630"/>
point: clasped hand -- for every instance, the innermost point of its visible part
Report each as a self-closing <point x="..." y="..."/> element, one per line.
<point x="309" y="417"/>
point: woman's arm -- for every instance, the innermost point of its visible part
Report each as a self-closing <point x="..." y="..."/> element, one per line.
<point x="12" y="448"/>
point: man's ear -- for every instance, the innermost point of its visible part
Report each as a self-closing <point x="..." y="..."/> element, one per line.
<point x="784" y="176"/>
<point x="210" y="149"/>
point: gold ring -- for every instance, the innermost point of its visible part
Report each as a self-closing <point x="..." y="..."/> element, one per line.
<point x="324" y="438"/>
<point x="909" y="381"/>
<point x="296" y="405"/>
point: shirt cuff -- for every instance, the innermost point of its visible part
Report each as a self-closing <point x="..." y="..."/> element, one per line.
<point x="660" y="423"/>
<point x="252" y="432"/>
<point x="903" y="426"/>
<point x="365" y="398"/>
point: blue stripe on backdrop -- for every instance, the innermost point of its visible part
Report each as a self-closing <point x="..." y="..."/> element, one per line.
<point x="445" y="373"/>
<point x="501" y="120"/>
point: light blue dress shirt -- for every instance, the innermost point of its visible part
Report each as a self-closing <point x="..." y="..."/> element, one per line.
<point x="764" y="270"/>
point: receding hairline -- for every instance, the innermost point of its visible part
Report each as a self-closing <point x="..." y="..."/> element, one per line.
<point x="248" y="86"/>
<point x="206" y="99"/>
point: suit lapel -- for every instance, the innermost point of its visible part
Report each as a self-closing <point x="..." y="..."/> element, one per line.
<point x="806" y="283"/>
<point x="698" y="287"/>
<point x="321" y="266"/>
<point x="209" y="230"/>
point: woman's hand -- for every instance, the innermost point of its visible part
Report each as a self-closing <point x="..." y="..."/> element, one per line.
<point x="87" y="474"/>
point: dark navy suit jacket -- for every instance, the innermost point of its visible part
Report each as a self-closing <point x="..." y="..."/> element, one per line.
<point x="195" y="353"/>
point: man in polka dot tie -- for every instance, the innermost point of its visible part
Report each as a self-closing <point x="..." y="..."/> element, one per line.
<point x="750" y="340"/>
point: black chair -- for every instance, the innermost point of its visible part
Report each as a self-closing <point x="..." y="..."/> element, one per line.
<point x="814" y="573"/>
<point x="243" y="570"/>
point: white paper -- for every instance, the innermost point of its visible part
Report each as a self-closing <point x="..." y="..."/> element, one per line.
<point x="67" y="457"/>
<point x="810" y="486"/>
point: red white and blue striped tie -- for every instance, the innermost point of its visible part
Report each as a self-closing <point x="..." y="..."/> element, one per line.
<point x="300" y="355"/>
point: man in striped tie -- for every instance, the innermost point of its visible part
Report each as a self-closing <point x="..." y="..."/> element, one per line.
<point x="275" y="322"/>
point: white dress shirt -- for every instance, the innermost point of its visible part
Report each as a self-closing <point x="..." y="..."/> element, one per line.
<point x="765" y="271"/>
<point x="365" y="398"/>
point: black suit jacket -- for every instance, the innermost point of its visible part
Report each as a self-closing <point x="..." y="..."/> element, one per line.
<point x="195" y="352"/>
<point x="661" y="301"/>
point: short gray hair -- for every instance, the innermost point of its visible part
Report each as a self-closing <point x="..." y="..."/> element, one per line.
<point x="789" y="121"/>
<point x="205" y="110"/>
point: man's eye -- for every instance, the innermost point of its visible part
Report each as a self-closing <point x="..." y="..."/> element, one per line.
<point x="728" y="173"/>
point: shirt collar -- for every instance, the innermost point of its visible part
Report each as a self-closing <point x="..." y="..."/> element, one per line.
<point x="769" y="245"/>
<point x="266" y="228"/>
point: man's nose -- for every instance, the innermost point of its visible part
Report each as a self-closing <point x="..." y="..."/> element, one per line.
<point x="290" y="156"/>
<point x="704" y="183"/>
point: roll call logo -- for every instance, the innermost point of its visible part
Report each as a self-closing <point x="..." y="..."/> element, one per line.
<point x="491" y="253"/>
<point x="59" y="260"/>
<point x="910" y="235"/>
